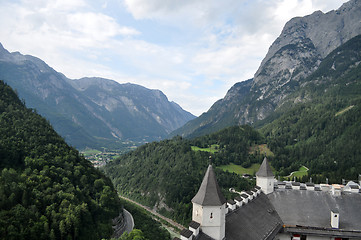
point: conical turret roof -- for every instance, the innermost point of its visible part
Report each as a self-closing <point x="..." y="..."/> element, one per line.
<point x="209" y="193"/>
<point x="265" y="169"/>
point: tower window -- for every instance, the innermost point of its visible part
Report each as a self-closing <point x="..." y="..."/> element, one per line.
<point x="211" y="215"/>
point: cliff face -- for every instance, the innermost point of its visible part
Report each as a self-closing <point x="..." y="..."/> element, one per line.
<point x="299" y="50"/>
<point x="293" y="56"/>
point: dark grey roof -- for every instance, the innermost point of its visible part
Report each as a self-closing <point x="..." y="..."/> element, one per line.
<point x="244" y="195"/>
<point x="257" y="187"/>
<point x="203" y="236"/>
<point x="209" y="193"/>
<point x="296" y="184"/>
<point x="313" y="208"/>
<point x="302" y="187"/>
<point x="176" y="238"/>
<point x="194" y="225"/>
<point x="309" y="184"/>
<point x="239" y="198"/>
<point x="256" y="220"/>
<point x="265" y="169"/>
<point x="231" y="201"/>
<point x="249" y="193"/>
<point x="186" y="233"/>
<point x="325" y="232"/>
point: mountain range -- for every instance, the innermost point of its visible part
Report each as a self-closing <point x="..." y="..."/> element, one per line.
<point x="91" y="112"/>
<point x="298" y="52"/>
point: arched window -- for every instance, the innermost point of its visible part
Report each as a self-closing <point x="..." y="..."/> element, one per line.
<point x="211" y="215"/>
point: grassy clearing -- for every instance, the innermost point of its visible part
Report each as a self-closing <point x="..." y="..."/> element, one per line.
<point x="262" y="148"/>
<point x="302" y="171"/>
<point x="89" y="152"/>
<point x="212" y="149"/>
<point x="239" y="169"/>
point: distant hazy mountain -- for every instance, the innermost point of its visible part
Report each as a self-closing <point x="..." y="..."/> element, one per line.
<point x="91" y="112"/>
<point x="293" y="56"/>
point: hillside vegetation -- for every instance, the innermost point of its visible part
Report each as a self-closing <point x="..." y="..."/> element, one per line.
<point x="167" y="174"/>
<point x="322" y="129"/>
<point x="47" y="191"/>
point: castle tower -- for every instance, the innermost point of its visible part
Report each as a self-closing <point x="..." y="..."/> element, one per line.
<point x="265" y="177"/>
<point x="209" y="207"/>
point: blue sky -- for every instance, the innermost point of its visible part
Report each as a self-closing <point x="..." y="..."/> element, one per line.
<point x="192" y="50"/>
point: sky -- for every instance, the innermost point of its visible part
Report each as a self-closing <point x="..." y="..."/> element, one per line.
<point x="191" y="50"/>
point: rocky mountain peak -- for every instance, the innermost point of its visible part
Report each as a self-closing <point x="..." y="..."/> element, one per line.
<point x="325" y="30"/>
<point x="298" y="52"/>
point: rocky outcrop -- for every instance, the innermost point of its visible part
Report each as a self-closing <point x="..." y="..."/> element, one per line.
<point x="303" y="43"/>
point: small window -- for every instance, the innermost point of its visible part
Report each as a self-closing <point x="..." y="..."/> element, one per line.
<point x="211" y="215"/>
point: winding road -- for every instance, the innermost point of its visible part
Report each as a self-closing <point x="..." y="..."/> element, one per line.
<point x="170" y="221"/>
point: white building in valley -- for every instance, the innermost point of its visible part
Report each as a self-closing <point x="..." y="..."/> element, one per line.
<point x="275" y="210"/>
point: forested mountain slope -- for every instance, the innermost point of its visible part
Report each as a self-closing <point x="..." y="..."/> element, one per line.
<point x="302" y="45"/>
<point x="167" y="174"/>
<point x="320" y="125"/>
<point x="47" y="191"/>
<point x="91" y="112"/>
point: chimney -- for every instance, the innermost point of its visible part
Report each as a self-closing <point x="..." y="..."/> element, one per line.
<point x="194" y="227"/>
<point x="335" y="218"/>
<point x="245" y="198"/>
<point x="186" y="234"/>
<point x="258" y="189"/>
<point x="239" y="201"/>
<point x="255" y="192"/>
<point x="231" y="204"/>
<point x="250" y="194"/>
<point x="336" y="190"/>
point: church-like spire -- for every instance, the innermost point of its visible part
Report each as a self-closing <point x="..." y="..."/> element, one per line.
<point x="265" y="169"/>
<point x="209" y="193"/>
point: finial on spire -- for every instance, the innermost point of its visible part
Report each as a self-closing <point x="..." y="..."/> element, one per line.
<point x="210" y="160"/>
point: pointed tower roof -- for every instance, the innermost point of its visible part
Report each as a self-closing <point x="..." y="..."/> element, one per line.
<point x="265" y="169"/>
<point x="209" y="193"/>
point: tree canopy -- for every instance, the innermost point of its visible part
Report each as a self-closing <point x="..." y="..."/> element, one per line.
<point x="47" y="190"/>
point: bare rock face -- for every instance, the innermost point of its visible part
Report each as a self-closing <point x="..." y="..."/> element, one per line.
<point x="323" y="32"/>
<point x="302" y="45"/>
<point x="297" y="53"/>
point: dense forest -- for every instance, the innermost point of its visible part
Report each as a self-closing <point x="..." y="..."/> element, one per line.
<point x="47" y="190"/>
<point x="323" y="129"/>
<point x="167" y="174"/>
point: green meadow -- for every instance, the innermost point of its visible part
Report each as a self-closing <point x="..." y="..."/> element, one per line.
<point x="239" y="169"/>
<point x="212" y="149"/>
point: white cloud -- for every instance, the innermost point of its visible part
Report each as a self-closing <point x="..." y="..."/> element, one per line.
<point x="97" y="26"/>
<point x="224" y="44"/>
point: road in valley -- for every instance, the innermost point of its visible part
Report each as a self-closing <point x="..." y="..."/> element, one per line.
<point x="170" y="221"/>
